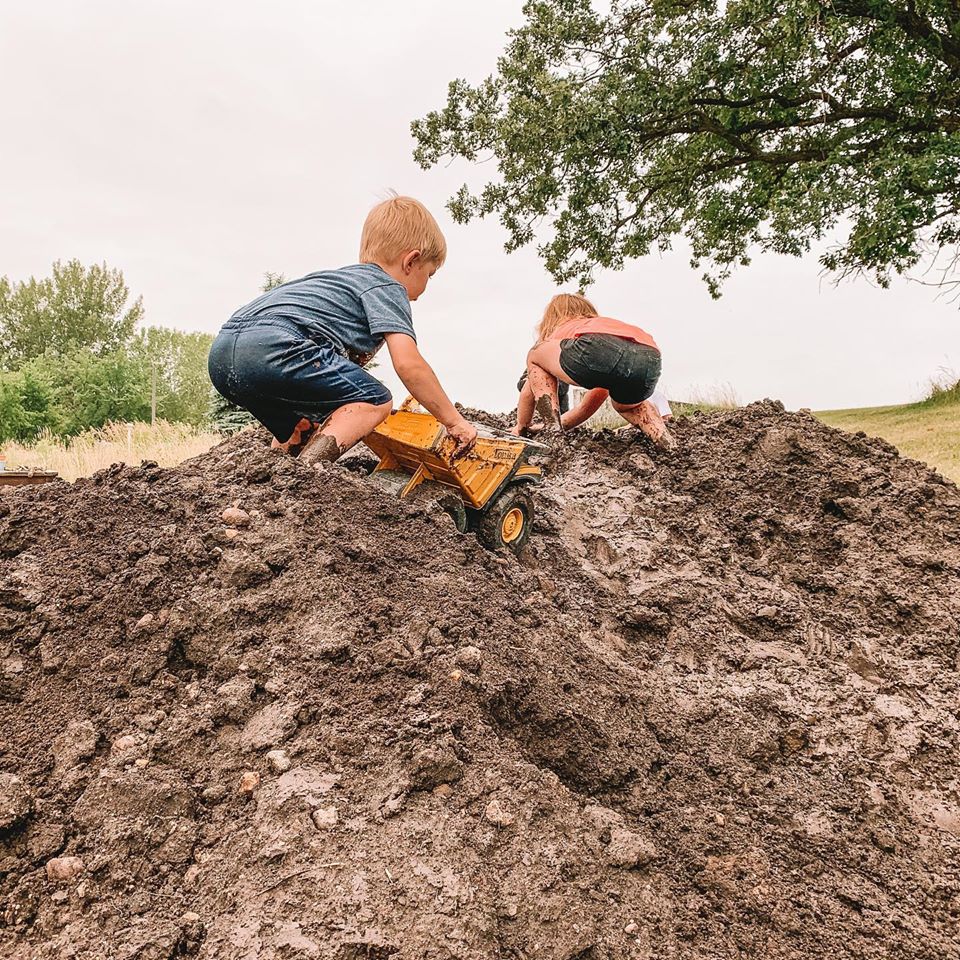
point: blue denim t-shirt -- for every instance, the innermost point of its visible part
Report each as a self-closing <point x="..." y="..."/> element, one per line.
<point x="352" y="307"/>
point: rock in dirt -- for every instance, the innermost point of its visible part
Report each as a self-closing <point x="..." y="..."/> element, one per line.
<point x="629" y="849"/>
<point x="249" y="781"/>
<point x="433" y="766"/>
<point x="16" y="803"/>
<point x="279" y="761"/>
<point x="470" y="658"/>
<point x="270" y="726"/>
<point x="497" y="813"/>
<point x="64" y="868"/>
<point x="325" y="818"/>
<point x="235" y="517"/>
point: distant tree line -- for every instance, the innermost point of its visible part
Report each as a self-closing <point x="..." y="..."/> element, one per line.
<point x="72" y="357"/>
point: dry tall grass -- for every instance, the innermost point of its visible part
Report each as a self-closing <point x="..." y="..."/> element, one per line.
<point x="717" y="396"/>
<point x="167" y="443"/>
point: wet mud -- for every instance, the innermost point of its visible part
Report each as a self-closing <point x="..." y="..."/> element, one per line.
<point x="254" y="709"/>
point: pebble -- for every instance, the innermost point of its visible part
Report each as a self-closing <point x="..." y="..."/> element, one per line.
<point x="190" y="917"/>
<point x="123" y="744"/>
<point x="470" y="658"/>
<point x="64" y="868"/>
<point x="249" y="781"/>
<point x="235" y="517"/>
<point x="325" y="818"/>
<point x="628" y="849"/>
<point x="279" y="761"/>
<point x="213" y="794"/>
<point x="140" y="762"/>
<point x="498" y="815"/>
<point x="631" y="928"/>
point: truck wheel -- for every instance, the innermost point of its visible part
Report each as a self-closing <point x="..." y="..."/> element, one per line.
<point x="449" y="503"/>
<point x="507" y="522"/>
<point x="453" y="506"/>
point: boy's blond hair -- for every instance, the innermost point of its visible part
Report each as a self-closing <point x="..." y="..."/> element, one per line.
<point x="563" y="307"/>
<point x="398" y="225"/>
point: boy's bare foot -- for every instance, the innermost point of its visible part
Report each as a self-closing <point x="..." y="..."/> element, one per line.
<point x="548" y="413"/>
<point x="321" y="447"/>
<point x="302" y="433"/>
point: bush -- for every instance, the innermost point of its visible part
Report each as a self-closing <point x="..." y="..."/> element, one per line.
<point x="26" y="406"/>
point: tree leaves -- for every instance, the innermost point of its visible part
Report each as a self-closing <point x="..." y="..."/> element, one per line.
<point x="75" y="307"/>
<point x="765" y="124"/>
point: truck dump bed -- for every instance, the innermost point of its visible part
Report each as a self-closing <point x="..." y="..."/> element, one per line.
<point x="417" y="445"/>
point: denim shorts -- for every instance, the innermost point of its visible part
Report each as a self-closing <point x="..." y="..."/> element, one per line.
<point x="629" y="370"/>
<point x="267" y="365"/>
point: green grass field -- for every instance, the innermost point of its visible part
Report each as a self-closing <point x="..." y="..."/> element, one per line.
<point x="928" y="431"/>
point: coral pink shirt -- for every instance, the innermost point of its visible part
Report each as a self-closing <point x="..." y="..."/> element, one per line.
<point x="581" y="325"/>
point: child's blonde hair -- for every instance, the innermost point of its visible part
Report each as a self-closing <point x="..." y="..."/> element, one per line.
<point x="397" y="225"/>
<point x="563" y="307"/>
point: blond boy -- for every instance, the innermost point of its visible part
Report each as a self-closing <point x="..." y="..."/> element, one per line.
<point x="293" y="357"/>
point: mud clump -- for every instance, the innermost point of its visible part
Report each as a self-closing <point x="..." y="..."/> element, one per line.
<point x="250" y="709"/>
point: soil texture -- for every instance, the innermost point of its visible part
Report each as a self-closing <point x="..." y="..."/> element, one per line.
<point x="256" y="710"/>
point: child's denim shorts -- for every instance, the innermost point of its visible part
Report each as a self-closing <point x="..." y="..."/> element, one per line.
<point x="629" y="370"/>
<point x="267" y="365"/>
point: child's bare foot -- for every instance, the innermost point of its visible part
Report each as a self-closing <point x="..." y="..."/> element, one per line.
<point x="321" y="447"/>
<point x="548" y="413"/>
<point x="302" y="432"/>
<point x="647" y="417"/>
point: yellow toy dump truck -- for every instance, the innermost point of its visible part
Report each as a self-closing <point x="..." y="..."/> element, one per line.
<point x="483" y="490"/>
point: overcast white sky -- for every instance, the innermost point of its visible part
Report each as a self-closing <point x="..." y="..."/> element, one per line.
<point x="197" y="144"/>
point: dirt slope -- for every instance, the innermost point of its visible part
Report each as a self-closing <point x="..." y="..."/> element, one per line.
<point x="712" y="712"/>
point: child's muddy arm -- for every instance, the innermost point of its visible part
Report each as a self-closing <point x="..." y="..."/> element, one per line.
<point x="592" y="401"/>
<point x="418" y="377"/>
<point x="524" y="407"/>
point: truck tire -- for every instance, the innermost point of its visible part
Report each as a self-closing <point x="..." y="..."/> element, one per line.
<point x="507" y="521"/>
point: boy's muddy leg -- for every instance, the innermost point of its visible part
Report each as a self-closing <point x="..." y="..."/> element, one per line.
<point x="647" y="417"/>
<point x="344" y="427"/>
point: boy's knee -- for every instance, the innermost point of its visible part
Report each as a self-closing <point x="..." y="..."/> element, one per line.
<point x="384" y="410"/>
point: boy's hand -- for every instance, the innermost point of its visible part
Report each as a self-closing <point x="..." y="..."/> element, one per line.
<point x="464" y="435"/>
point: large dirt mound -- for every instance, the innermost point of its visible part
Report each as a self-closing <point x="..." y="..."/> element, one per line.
<point x="711" y="712"/>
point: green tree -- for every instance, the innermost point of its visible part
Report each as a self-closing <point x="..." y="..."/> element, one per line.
<point x="26" y="406"/>
<point x="174" y="366"/>
<point x="741" y="125"/>
<point x="75" y="307"/>
<point x="87" y="390"/>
